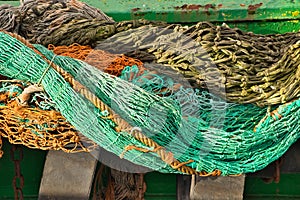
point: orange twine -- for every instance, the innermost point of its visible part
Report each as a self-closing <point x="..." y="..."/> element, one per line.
<point x="107" y="62"/>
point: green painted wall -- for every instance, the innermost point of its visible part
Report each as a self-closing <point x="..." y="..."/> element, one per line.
<point x="160" y="186"/>
<point x="31" y="168"/>
<point x="163" y="186"/>
<point x="195" y="10"/>
<point x="258" y="16"/>
<point x="14" y="3"/>
<point x="287" y="188"/>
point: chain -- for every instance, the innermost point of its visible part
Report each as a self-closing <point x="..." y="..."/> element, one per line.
<point x="18" y="180"/>
<point x="1" y="152"/>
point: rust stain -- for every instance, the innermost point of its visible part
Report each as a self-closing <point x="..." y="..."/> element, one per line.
<point x="188" y="7"/>
<point x="220" y="5"/>
<point x="196" y="6"/>
<point x="181" y="7"/>
<point x="135" y="9"/>
<point x="242" y="5"/>
<point x="193" y="7"/>
<point x="252" y="8"/>
<point x="207" y="6"/>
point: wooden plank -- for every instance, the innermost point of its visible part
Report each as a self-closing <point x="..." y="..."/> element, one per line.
<point x="217" y="188"/>
<point x="183" y="187"/>
<point x="67" y="176"/>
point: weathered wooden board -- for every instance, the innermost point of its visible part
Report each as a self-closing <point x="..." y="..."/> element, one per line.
<point x="67" y="176"/>
<point x="217" y="188"/>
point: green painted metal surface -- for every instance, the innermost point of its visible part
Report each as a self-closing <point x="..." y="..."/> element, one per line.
<point x="163" y="186"/>
<point x="31" y="168"/>
<point x="160" y="186"/>
<point x="287" y="188"/>
<point x="14" y="3"/>
<point x="258" y="16"/>
<point x="195" y="10"/>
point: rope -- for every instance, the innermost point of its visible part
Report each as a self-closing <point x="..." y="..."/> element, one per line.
<point x="167" y="156"/>
<point x="23" y="98"/>
<point x="253" y="68"/>
<point x="122" y="181"/>
<point x="75" y="51"/>
<point x="39" y="82"/>
<point x="38" y="131"/>
<point x="75" y="84"/>
<point x="99" y="104"/>
<point x="182" y="130"/>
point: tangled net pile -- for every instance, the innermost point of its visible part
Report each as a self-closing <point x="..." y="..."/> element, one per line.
<point x="254" y="68"/>
<point x="168" y="127"/>
<point x="261" y="69"/>
<point x="36" y="125"/>
<point x="49" y="21"/>
<point x="36" y="19"/>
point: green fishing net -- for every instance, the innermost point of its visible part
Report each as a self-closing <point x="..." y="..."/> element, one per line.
<point x="195" y="125"/>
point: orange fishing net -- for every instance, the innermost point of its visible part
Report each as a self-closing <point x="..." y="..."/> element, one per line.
<point x="107" y="62"/>
<point x="37" y="128"/>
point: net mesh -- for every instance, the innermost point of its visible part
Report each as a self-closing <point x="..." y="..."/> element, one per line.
<point x="49" y="21"/>
<point x="42" y="21"/>
<point x="168" y="127"/>
<point x="107" y="62"/>
<point x="37" y="125"/>
<point x="51" y="131"/>
<point x="254" y="68"/>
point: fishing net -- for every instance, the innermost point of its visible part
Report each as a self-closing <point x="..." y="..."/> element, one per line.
<point x="49" y="130"/>
<point x="168" y="127"/>
<point x="36" y="124"/>
<point x="127" y="186"/>
<point x="107" y="62"/>
<point x="48" y="22"/>
<point x="113" y="184"/>
<point x="254" y="68"/>
<point x="10" y="18"/>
